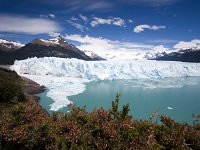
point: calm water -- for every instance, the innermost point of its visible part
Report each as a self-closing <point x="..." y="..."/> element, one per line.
<point x="177" y="97"/>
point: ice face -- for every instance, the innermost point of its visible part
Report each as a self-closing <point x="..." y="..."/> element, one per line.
<point x="66" y="77"/>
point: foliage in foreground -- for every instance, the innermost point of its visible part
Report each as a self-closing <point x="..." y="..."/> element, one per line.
<point x="10" y="87"/>
<point x="27" y="126"/>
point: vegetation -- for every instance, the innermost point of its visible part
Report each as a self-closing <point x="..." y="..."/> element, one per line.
<point x="27" y="126"/>
<point x="10" y="87"/>
<point x="24" y="125"/>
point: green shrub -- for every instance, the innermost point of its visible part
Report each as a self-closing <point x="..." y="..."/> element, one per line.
<point x="27" y="126"/>
<point x="10" y="87"/>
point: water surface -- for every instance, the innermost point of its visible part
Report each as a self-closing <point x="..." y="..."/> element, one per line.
<point x="175" y="97"/>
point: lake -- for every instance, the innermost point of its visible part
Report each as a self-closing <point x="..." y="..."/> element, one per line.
<point x="178" y="98"/>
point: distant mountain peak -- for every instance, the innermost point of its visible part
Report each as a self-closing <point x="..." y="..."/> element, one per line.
<point x="58" y="41"/>
<point x="6" y="45"/>
<point x="56" y="47"/>
<point x="185" y="55"/>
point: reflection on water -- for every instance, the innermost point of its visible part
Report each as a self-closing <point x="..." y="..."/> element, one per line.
<point x="175" y="97"/>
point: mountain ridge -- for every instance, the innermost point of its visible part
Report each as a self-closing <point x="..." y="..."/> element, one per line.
<point x="7" y="46"/>
<point x="186" y="55"/>
<point x="56" y="47"/>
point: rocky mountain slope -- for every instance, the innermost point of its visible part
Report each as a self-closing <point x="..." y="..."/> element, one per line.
<point x="44" y="48"/>
<point x="9" y="45"/>
<point x="58" y="47"/>
<point x="188" y="55"/>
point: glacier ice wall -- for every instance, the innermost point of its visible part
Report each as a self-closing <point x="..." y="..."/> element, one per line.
<point x="105" y="70"/>
<point x="66" y="77"/>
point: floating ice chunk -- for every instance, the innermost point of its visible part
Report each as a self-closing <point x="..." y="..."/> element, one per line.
<point x="169" y="108"/>
<point x="59" y="88"/>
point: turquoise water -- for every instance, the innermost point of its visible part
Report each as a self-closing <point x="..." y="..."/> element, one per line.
<point x="45" y="101"/>
<point x="175" y="97"/>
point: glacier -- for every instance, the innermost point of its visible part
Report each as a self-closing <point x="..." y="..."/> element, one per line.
<point x="66" y="77"/>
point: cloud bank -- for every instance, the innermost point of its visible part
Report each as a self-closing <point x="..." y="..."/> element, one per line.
<point x="110" y="49"/>
<point x="113" y="49"/>
<point x="187" y="45"/>
<point x="48" y="16"/>
<point x="21" y="24"/>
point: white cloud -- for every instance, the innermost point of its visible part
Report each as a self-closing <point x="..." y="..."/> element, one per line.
<point x="73" y="18"/>
<point x="84" y="18"/>
<point x="160" y="48"/>
<point x="164" y="41"/>
<point x="152" y="2"/>
<point x="186" y="45"/>
<point x="142" y="27"/>
<point x="103" y="5"/>
<point x="48" y="16"/>
<point x="54" y="34"/>
<point x="97" y="21"/>
<point x="114" y="21"/>
<point x="112" y="49"/>
<point x="130" y="20"/>
<point x="97" y="5"/>
<point x="21" y="24"/>
<point x="77" y="25"/>
<point x="118" y="21"/>
<point x="44" y="16"/>
<point x="52" y="16"/>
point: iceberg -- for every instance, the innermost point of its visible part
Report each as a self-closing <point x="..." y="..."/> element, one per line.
<point x="67" y="77"/>
<point x="169" y="108"/>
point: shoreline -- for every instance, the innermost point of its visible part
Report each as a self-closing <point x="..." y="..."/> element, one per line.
<point x="31" y="88"/>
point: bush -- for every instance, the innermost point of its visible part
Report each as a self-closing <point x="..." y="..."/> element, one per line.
<point x="10" y="87"/>
<point x="27" y="126"/>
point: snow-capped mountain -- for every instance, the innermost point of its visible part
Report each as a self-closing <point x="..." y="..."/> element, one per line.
<point x="58" y="41"/>
<point x="61" y="42"/>
<point x="155" y="54"/>
<point x="186" y="55"/>
<point x="93" y="55"/>
<point x="56" y="47"/>
<point x="131" y="54"/>
<point x="9" y="45"/>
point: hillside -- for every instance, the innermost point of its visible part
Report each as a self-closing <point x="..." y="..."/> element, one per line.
<point x="44" y="48"/>
<point x="188" y="55"/>
<point x="8" y="46"/>
<point x="14" y="88"/>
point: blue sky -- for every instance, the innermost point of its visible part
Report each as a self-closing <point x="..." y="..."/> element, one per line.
<point x="144" y="22"/>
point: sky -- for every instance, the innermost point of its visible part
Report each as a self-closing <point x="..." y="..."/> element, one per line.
<point x="101" y="25"/>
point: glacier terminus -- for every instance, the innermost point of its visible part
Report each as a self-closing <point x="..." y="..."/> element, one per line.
<point x="66" y="77"/>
